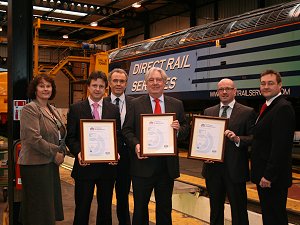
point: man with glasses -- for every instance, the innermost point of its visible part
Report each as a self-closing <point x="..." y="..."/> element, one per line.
<point x="153" y="173"/>
<point x="86" y="176"/>
<point x="117" y="80"/>
<point x="271" y="155"/>
<point x="229" y="177"/>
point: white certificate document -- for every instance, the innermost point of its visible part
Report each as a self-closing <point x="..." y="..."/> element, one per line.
<point x="98" y="141"/>
<point x="207" y="138"/>
<point x="157" y="134"/>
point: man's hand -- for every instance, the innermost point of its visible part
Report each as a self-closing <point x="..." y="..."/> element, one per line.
<point x="232" y="136"/>
<point x="175" y="124"/>
<point x="114" y="163"/>
<point x="264" y="183"/>
<point x="138" y="152"/>
<point x="81" y="163"/>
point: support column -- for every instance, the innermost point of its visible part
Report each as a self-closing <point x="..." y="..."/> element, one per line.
<point x="19" y="34"/>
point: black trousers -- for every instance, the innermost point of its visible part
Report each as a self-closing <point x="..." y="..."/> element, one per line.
<point x="162" y="185"/>
<point x="122" y="187"/>
<point x="218" y="186"/>
<point x="273" y="204"/>
<point x="84" y="191"/>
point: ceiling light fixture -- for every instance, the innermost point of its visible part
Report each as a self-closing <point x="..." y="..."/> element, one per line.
<point x="136" y="5"/>
<point x="94" y="24"/>
<point x="4" y="3"/>
<point x="65" y="36"/>
<point x="45" y="9"/>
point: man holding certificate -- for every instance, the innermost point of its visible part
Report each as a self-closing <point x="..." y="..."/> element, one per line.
<point x="230" y="176"/>
<point x="154" y="172"/>
<point x="87" y="175"/>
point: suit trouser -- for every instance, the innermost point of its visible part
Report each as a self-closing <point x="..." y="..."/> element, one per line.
<point x="218" y="185"/>
<point x="122" y="186"/>
<point x="84" y="192"/>
<point x="163" y="189"/>
<point x="273" y="204"/>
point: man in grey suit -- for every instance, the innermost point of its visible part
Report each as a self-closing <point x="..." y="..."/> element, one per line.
<point x="230" y="176"/>
<point x="159" y="172"/>
<point x="117" y="80"/>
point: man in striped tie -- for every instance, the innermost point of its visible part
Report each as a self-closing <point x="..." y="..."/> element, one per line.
<point x="229" y="177"/>
<point x="117" y="80"/>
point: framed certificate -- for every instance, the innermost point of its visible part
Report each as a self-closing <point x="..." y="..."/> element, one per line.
<point x="158" y="138"/>
<point x="98" y="141"/>
<point x="207" y="138"/>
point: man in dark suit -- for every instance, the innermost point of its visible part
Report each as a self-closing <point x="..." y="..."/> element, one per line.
<point x="117" y="80"/>
<point x="159" y="172"/>
<point x="271" y="156"/>
<point x="230" y="176"/>
<point x="86" y="176"/>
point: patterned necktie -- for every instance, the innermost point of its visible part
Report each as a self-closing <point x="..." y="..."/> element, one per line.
<point x="263" y="108"/>
<point x="95" y="111"/>
<point x="118" y="102"/>
<point x="224" y="113"/>
<point x="157" y="109"/>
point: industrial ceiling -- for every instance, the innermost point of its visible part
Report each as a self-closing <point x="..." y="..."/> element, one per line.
<point x="107" y="13"/>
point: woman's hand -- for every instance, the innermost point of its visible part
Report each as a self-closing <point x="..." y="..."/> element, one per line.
<point x="59" y="158"/>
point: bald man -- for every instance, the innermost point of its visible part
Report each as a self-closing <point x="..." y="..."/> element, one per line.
<point x="230" y="177"/>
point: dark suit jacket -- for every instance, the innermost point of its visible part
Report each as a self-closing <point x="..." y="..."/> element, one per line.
<point x="131" y="131"/>
<point x="82" y="110"/>
<point x="271" y="155"/>
<point x="128" y="100"/>
<point x="241" y="122"/>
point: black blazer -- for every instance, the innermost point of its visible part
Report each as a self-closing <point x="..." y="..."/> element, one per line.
<point x="122" y="149"/>
<point x="236" y="162"/>
<point x="82" y="110"/>
<point x="131" y="131"/>
<point x="271" y="155"/>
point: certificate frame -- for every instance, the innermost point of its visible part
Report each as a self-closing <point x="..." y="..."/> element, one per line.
<point x="207" y="141"/>
<point x="95" y="133"/>
<point x="154" y="130"/>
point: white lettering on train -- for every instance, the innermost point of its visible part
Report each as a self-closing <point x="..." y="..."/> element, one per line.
<point x="172" y="63"/>
<point x="249" y="93"/>
<point x="140" y="86"/>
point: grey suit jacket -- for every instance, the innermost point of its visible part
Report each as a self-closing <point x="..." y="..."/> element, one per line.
<point x="39" y="135"/>
<point x="131" y="131"/>
<point x="236" y="161"/>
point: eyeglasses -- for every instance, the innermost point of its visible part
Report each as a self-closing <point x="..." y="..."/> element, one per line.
<point x="158" y="80"/>
<point x="116" y="81"/>
<point x="227" y="89"/>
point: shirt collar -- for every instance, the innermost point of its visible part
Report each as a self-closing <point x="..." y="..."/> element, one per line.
<point x="161" y="98"/>
<point x="268" y="102"/>
<point x="113" y="97"/>
<point x="231" y="104"/>
<point x="91" y="102"/>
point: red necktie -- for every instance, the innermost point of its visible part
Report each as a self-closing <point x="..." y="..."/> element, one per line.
<point x="263" y="108"/>
<point x="157" y="109"/>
